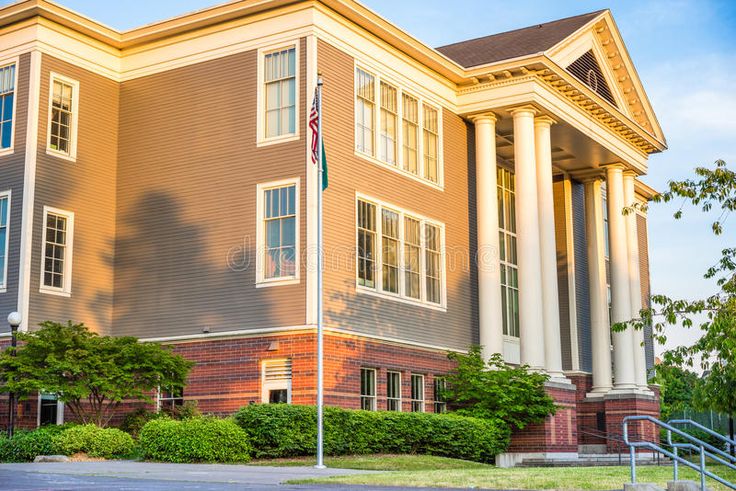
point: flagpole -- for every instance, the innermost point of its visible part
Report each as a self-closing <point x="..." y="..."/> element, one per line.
<point x="320" y="341"/>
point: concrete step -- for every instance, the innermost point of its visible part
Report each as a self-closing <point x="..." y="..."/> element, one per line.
<point x="593" y="460"/>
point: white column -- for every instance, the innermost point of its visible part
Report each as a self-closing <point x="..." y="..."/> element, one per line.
<point x="599" y="324"/>
<point x="624" y="379"/>
<point x="632" y="238"/>
<point x="489" y="267"/>
<point x="548" y="248"/>
<point x="531" y="318"/>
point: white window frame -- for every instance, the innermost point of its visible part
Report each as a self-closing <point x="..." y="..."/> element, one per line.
<point x="59" y="410"/>
<point x="261" y="280"/>
<point x="160" y="399"/>
<point x="504" y="232"/>
<point x="374" y="397"/>
<point x="3" y="63"/>
<point x="437" y="381"/>
<point x="398" y="166"/>
<point x="411" y="394"/>
<point x="268" y="385"/>
<point x="261" y="138"/>
<point x="72" y="154"/>
<point x="4" y="284"/>
<point x="66" y="290"/>
<point x="400" y="399"/>
<point x="377" y="289"/>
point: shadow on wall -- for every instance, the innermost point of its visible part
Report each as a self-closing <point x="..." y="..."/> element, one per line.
<point x="168" y="282"/>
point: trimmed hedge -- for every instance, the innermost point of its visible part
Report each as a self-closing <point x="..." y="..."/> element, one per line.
<point x="26" y="445"/>
<point x="203" y="439"/>
<point x="281" y="430"/>
<point x="94" y="441"/>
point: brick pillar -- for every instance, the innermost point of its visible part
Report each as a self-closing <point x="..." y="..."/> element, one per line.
<point x="618" y="407"/>
<point x="556" y="437"/>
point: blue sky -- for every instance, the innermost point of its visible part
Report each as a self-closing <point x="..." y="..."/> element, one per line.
<point x="683" y="51"/>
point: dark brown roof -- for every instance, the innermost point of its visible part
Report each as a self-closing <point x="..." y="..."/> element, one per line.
<point x="512" y="44"/>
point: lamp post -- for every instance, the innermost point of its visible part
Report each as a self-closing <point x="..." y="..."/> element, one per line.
<point x="14" y="320"/>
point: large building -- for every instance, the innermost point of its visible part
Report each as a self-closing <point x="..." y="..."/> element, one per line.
<point x="158" y="183"/>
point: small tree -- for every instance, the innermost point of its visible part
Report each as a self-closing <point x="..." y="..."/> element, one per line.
<point x="713" y="189"/>
<point x="91" y="374"/>
<point x="677" y="389"/>
<point x="494" y="389"/>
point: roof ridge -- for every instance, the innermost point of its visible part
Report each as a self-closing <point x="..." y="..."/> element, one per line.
<point x="593" y="13"/>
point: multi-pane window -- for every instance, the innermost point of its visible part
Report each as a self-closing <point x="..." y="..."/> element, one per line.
<point x="4" y="218"/>
<point x="393" y="391"/>
<point x="431" y="144"/>
<point x="280" y="90"/>
<point x="440" y="401"/>
<point x="365" y="104"/>
<point x="417" y="393"/>
<point x="507" y="252"/>
<point x="433" y="263"/>
<point x="56" y="253"/>
<point x="410" y="129"/>
<point x="368" y="389"/>
<point x="279" y="232"/>
<point x="408" y="262"/>
<point x="404" y="129"/>
<point x="389" y="115"/>
<point x="366" y="243"/>
<point x="7" y="97"/>
<point x="61" y="132"/>
<point x="607" y="255"/>
<point x="170" y="398"/>
<point x="412" y="258"/>
<point x="390" y="250"/>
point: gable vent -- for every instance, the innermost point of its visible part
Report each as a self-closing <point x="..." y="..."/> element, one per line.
<point x="277" y="369"/>
<point x="587" y="70"/>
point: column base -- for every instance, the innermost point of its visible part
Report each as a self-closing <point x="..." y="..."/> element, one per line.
<point x="598" y="393"/>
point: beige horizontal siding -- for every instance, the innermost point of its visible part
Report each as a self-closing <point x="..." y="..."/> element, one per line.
<point x="12" y="168"/>
<point x="186" y="191"/>
<point x="85" y="187"/>
<point x="349" y="174"/>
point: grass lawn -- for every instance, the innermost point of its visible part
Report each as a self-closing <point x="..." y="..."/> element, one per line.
<point x="408" y="470"/>
<point x="380" y="462"/>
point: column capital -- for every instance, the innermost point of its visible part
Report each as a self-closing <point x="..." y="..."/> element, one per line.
<point x="544" y="120"/>
<point x="525" y="109"/>
<point x="631" y="174"/>
<point x="614" y="166"/>
<point x="479" y="118"/>
<point x="589" y="175"/>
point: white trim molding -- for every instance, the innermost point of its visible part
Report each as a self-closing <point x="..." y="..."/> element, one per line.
<point x="71" y="155"/>
<point x="261" y="280"/>
<point x="66" y="289"/>
<point x="29" y="188"/>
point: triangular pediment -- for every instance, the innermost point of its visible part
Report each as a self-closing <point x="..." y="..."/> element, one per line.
<point x="596" y="55"/>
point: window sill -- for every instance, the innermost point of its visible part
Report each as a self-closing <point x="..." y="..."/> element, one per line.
<point x="3" y="290"/>
<point x="58" y="293"/>
<point x="61" y="155"/>
<point x="397" y="298"/>
<point x="277" y="282"/>
<point x="265" y="142"/>
<point x="398" y="170"/>
<point x="7" y="151"/>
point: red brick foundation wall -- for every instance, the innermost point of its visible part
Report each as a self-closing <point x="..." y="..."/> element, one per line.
<point x="558" y="433"/>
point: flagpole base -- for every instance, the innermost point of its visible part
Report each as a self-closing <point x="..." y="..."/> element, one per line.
<point x="320" y="467"/>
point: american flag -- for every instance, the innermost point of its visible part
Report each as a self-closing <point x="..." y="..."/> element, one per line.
<point x="314" y="126"/>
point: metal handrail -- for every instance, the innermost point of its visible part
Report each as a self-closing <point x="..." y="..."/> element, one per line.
<point x="711" y="451"/>
<point x="694" y="442"/>
<point x="723" y="438"/>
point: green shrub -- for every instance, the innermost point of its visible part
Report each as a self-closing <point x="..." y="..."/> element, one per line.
<point x="203" y="439"/>
<point x="26" y="445"/>
<point x="134" y="421"/>
<point x="94" y="441"/>
<point x="280" y="430"/>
